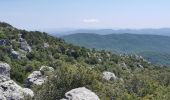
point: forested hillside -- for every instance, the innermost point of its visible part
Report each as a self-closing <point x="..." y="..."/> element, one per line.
<point x="109" y="76"/>
<point x="151" y="47"/>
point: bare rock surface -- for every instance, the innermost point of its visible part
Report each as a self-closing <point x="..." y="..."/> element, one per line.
<point x="109" y="76"/>
<point x="81" y="93"/>
<point x="9" y="90"/>
<point x="5" y="70"/>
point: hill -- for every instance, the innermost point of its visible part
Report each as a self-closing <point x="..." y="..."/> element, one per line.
<point x="156" y="45"/>
<point x="51" y="67"/>
<point x="149" y="31"/>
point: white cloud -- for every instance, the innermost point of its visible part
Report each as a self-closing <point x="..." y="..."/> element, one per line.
<point x="91" y="21"/>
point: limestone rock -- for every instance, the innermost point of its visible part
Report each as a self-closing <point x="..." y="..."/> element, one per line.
<point x="15" y="54"/>
<point x="24" y="45"/>
<point x="5" y="70"/>
<point x="81" y="94"/>
<point x="35" y="78"/>
<point x="109" y="76"/>
<point x="140" y="66"/>
<point x="9" y="90"/>
<point x="46" y="45"/>
<point x="38" y="77"/>
<point x="2" y="42"/>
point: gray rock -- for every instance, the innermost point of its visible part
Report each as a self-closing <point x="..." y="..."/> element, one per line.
<point x="46" y="45"/>
<point x="9" y="90"/>
<point x="2" y="42"/>
<point x="140" y="66"/>
<point x="123" y="65"/>
<point x="36" y="78"/>
<point x="15" y="54"/>
<point x="5" y="70"/>
<point x="81" y="94"/>
<point x="24" y="46"/>
<point x="109" y="76"/>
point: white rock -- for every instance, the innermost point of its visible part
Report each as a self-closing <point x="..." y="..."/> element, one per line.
<point x="36" y="78"/>
<point x="15" y="54"/>
<point x="28" y="92"/>
<point x="140" y="66"/>
<point x="109" y="76"/>
<point x="9" y="90"/>
<point x="81" y="94"/>
<point x="46" y="45"/>
<point x="2" y="42"/>
<point x="5" y="70"/>
<point x="24" y="46"/>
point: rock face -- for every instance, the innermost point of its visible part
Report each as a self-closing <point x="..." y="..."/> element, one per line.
<point x="9" y="90"/>
<point x="81" y="94"/>
<point x="36" y="78"/>
<point x="109" y="76"/>
<point x="5" y="70"/>
<point x="24" y="46"/>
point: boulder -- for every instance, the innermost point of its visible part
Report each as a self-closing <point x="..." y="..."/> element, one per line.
<point x="140" y="66"/>
<point x="123" y="65"/>
<point x="15" y="54"/>
<point x="81" y="94"/>
<point x="5" y="70"/>
<point x="2" y="42"/>
<point x="24" y="46"/>
<point x="9" y="90"/>
<point x="109" y="76"/>
<point x="36" y="78"/>
<point x="46" y="45"/>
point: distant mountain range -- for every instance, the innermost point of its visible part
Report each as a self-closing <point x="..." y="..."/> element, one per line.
<point x="155" y="48"/>
<point x="161" y="31"/>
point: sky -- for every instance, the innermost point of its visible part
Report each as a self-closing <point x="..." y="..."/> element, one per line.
<point x="62" y="14"/>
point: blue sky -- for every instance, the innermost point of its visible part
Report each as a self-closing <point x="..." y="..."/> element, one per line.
<point x="55" y="14"/>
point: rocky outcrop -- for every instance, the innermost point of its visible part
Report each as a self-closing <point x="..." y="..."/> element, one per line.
<point x="140" y="66"/>
<point x="15" y="54"/>
<point x="81" y="94"/>
<point x="46" y="45"/>
<point x="109" y="76"/>
<point x="123" y="65"/>
<point x="9" y="90"/>
<point x="5" y="70"/>
<point x="24" y="46"/>
<point x="2" y="42"/>
<point x="38" y="77"/>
